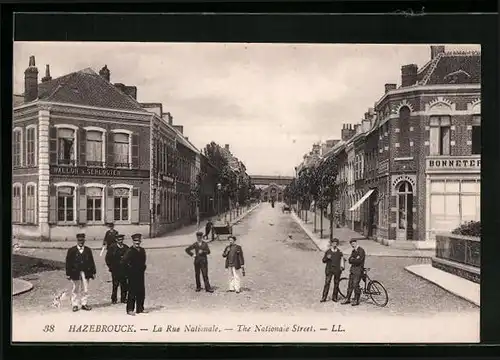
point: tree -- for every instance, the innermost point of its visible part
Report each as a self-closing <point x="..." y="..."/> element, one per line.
<point x="328" y="189"/>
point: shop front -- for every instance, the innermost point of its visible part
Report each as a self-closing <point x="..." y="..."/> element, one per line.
<point x="453" y="192"/>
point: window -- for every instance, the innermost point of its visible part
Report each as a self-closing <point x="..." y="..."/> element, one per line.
<point x="17" y="147"/>
<point x="65" y="204"/>
<point x="121" y="204"/>
<point x="94" y="148"/>
<point x="94" y="205"/>
<point x="405" y="204"/>
<point x="31" y="203"/>
<point x="440" y="132"/>
<point x="476" y="135"/>
<point x="30" y="146"/>
<point x="17" y="211"/>
<point x="66" y="146"/>
<point x="121" y="149"/>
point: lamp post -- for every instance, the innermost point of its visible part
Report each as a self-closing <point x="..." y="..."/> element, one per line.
<point x="219" y="187"/>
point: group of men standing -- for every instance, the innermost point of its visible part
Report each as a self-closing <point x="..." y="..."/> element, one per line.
<point x="126" y="265"/>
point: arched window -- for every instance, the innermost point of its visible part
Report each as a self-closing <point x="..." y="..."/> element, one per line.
<point x="121" y="149"/>
<point x="121" y="204"/>
<point x="66" y="204"/>
<point x="17" y="147"/>
<point x="31" y="203"/>
<point x="31" y="142"/>
<point x="66" y="146"/>
<point x="17" y="203"/>
<point x="95" y="146"/>
<point x="95" y="204"/>
<point x="405" y="206"/>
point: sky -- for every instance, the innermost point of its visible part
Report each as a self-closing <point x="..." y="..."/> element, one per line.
<point x="269" y="102"/>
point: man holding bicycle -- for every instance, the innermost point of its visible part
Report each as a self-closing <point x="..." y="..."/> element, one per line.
<point x="357" y="261"/>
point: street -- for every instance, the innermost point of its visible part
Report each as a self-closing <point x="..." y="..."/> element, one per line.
<point x="284" y="274"/>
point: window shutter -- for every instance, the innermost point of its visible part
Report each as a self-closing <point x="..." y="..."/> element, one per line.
<point x="134" y="206"/>
<point x="82" y="149"/>
<point x="23" y="204"/>
<point x="109" y="150"/>
<point x="110" y="201"/>
<point x="135" y="151"/>
<point x="53" y="145"/>
<point x="82" y="213"/>
<point x="24" y="148"/>
<point x="434" y="140"/>
<point x="52" y="204"/>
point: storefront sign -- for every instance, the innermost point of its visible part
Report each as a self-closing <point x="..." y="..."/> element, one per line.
<point x="383" y="167"/>
<point x="453" y="163"/>
<point x="97" y="172"/>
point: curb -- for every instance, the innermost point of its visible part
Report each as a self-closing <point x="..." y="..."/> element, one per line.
<point x="238" y="219"/>
<point x="24" y="286"/>
<point x="408" y="268"/>
<point x="145" y="246"/>
<point x="315" y="240"/>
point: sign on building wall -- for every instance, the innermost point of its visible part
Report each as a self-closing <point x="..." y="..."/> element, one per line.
<point x="458" y="164"/>
<point x="97" y="172"/>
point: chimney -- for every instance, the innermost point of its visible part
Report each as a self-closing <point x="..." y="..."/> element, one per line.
<point x="345" y="134"/>
<point x="120" y="87"/>
<point x="356" y="128"/>
<point x="170" y="119"/>
<point x="371" y="111"/>
<point x="365" y="125"/>
<point x="408" y="75"/>
<point x="105" y="73"/>
<point x="226" y="147"/>
<point x="131" y="91"/>
<point x="179" y="128"/>
<point x="436" y="50"/>
<point x="31" y="81"/>
<point x="389" y="87"/>
<point x="47" y="76"/>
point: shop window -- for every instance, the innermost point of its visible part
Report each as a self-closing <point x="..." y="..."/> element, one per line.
<point x="95" y="205"/>
<point x="31" y="203"/>
<point x="65" y="204"/>
<point x="476" y="135"/>
<point x="121" y="204"/>
<point x="94" y="147"/>
<point x="440" y="135"/>
<point x="17" y="147"/>
<point x="31" y="145"/>
<point x="17" y="210"/>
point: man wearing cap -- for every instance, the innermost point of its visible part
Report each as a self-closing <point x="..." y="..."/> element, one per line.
<point x="110" y="236"/>
<point x="201" y="250"/>
<point x="114" y="258"/>
<point x="357" y="261"/>
<point x="80" y="267"/>
<point x="234" y="262"/>
<point x="134" y="263"/>
<point x="334" y="265"/>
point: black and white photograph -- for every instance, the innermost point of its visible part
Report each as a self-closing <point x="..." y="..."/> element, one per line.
<point x="210" y="192"/>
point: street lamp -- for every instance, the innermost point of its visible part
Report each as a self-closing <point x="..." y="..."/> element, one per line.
<point x="219" y="187"/>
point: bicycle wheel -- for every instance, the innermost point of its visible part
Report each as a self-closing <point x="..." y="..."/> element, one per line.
<point x="377" y="293"/>
<point x="343" y="285"/>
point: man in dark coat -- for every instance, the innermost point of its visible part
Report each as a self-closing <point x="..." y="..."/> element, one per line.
<point x="208" y="228"/>
<point x="334" y="265"/>
<point x="114" y="258"/>
<point x="80" y="268"/>
<point x="134" y="263"/>
<point x="201" y="250"/>
<point x="110" y="236"/>
<point x="234" y="262"/>
<point x="357" y="261"/>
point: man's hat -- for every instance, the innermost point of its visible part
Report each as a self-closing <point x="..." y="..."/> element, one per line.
<point x="334" y="240"/>
<point x="136" y="237"/>
<point x="352" y="240"/>
<point x="120" y="237"/>
<point x="199" y="233"/>
<point x="110" y="224"/>
<point x="80" y="236"/>
<point x="232" y="237"/>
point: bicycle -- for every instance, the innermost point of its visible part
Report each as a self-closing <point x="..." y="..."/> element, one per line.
<point x="373" y="288"/>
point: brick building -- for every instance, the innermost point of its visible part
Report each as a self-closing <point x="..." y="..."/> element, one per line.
<point x="85" y="153"/>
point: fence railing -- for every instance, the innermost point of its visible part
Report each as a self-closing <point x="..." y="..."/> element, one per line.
<point x="462" y="249"/>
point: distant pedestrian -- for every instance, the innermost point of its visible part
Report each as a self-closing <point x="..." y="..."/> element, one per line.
<point x="114" y="258"/>
<point x="334" y="265"/>
<point x="234" y="262"/>
<point x="109" y="237"/>
<point x="134" y="263"/>
<point x="201" y="250"/>
<point x="208" y="228"/>
<point x="80" y="268"/>
<point x="357" y="261"/>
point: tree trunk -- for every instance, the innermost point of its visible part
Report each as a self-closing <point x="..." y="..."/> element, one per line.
<point x="315" y="217"/>
<point x="331" y="220"/>
<point x="197" y="215"/>
<point x="321" y="223"/>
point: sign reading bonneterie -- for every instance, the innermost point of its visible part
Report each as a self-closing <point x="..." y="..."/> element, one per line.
<point x="97" y="172"/>
<point x="454" y="163"/>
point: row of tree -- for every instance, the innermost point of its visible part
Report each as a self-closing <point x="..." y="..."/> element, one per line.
<point x="315" y="183"/>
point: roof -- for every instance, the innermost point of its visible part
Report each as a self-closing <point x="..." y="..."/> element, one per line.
<point x="87" y="88"/>
<point x="18" y="100"/>
<point x="463" y="67"/>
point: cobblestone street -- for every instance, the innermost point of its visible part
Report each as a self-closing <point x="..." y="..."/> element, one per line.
<point x="284" y="274"/>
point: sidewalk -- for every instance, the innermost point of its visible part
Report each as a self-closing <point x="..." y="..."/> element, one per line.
<point x="20" y="286"/>
<point x="458" y="286"/>
<point x="344" y="234"/>
<point x="182" y="237"/>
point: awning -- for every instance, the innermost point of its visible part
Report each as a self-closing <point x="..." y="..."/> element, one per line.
<point x="362" y="200"/>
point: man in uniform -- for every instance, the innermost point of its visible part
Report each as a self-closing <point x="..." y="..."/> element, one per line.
<point x="80" y="268"/>
<point x="134" y="262"/>
<point x="334" y="261"/>
<point x="208" y="228"/>
<point x="201" y="250"/>
<point x="234" y="262"/>
<point x="109" y="237"/>
<point x="114" y="258"/>
<point x="357" y="261"/>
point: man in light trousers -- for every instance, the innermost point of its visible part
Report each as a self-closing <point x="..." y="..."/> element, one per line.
<point x="80" y="268"/>
<point x="234" y="262"/>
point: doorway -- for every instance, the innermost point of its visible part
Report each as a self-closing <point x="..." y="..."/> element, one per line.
<point x="405" y="211"/>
